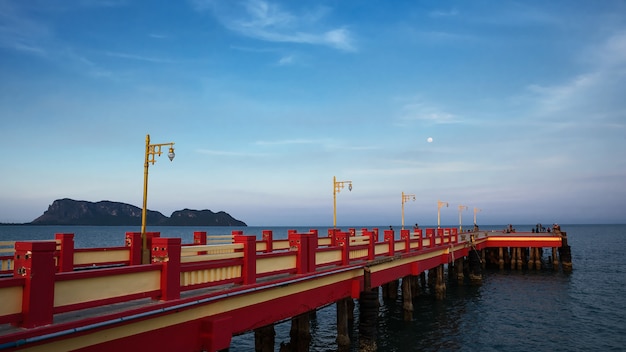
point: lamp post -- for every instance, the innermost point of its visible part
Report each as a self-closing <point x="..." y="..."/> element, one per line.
<point x="152" y="151"/>
<point x="476" y="210"/>
<point x="461" y="208"/>
<point x="405" y="198"/>
<point x="337" y="186"/>
<point x="439" y="205"/>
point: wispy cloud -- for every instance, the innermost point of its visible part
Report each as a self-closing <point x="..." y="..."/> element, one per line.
<point x="230" y="153"/>
<point x="139" y="57"/>
<point x="286" y="60"/>
<point x="418" y="110"/>
<point x="268" y="21"/>
<point x="443" y="13"/>
<point x="595" y="96"/>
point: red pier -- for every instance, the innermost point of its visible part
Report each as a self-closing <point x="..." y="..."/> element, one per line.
<point x="195" y="297"/>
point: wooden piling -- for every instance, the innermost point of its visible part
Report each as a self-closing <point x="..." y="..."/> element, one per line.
<point x="565" y="254"/>
<point x="264" y="339"/>
<point x="407" y="298"/>
<point x="440" y="284"/>
<point x="343" y="326"/>
<point x="460" y="275"/>
<point x="300" y="333"/>
<point x="368" y="315"/>
<point x="555" y="259"/>
<point x="538" y="255"/>
<point x="500" y="258"/>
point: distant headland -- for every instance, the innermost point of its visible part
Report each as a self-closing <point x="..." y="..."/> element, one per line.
<point x="106" y="213"/>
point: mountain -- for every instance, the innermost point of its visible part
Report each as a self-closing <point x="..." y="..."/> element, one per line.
<point x="106" y="213"/>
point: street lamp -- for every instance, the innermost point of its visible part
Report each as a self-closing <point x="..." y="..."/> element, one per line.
<point x="476" y="210"/>
<point x="461" y="208"/>
<point x="439" y="205"/>
<point x="152" y="151"/>
<point x="405" y="198"/>
<point x="337" y="186"/>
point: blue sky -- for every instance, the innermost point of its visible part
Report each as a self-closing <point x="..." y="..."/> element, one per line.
<point x="266" y="101"/>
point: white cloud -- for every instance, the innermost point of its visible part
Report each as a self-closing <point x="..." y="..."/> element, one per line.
<point x="286" y="60"/>
<point x="418" y="110"/>
<point x="267" y="21"/>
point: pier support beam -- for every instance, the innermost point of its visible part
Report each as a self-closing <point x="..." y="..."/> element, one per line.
<point x="538" y="255"/>
<point x="475" y="267"/>
<point x="501" y="258"/>
<point x="440" y="284"/>
<point x="300" y="334"/>
<point x="458" y="266"/>
<point x="368" y="315"/>
<point x="343" y="337"/>
<point x="407" y="297"/>
<point x="264" y="339"/>
<point x="555" y="259"/>
<point x="565" y="254"/>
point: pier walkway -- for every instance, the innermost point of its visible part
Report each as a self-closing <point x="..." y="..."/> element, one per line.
<point x="195" y="297"/>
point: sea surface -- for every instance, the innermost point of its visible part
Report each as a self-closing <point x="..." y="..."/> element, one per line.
<point x="547" y="310"/>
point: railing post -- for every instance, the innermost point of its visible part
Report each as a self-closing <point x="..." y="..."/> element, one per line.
<point x="430" y="234"/>
<point x="268" y="238"/>
<point x="389" y="238"/>
<point x="133" y="241"/>
<point x="332" y="233"/>
<point x="343" y="241"/>
<point x="406" y="236"/>
<point x="313" y="241"/>
<point x="167" y="252"/>
<point x="150" y="236"/>
<point x="248" y="271"/>
<point x="66" y="254"/>
<point x="300" y="244"/>
<point x="199" y="238"/>
<point x="440" y="236"/>
<point x="371" y="247"/>
<point x="34" y="261"/>
<point x="420" y="243"/>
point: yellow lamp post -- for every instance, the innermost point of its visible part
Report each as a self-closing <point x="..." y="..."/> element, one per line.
<point x="461" y="208"/>
<point x="405" y="198"/>
<point x="439" y="205"/>
<point x="476" y="210"/>
<point x="152" y="151"/>
<point x="337" y="186"/>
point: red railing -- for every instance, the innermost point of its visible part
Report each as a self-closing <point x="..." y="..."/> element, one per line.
<point x="45" y="282"/>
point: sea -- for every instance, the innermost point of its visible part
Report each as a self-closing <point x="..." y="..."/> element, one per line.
<point x="511" y="310"/>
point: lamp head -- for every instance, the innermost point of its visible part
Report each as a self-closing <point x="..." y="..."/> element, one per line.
<point x="350" y="186"/>
<point x="171" y="154"/>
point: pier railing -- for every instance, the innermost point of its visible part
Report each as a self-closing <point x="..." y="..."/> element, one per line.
<point x="46" y="280"/>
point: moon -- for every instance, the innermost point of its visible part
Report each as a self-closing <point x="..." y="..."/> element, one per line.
<point x="429" y="139"/>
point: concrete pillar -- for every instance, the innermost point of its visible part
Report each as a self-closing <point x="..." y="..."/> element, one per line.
<point x="343" y="337"/>
<point x="407" y="298"/>
<point x="440" y="285"/>
<point x="264" y="339"/>
<point x="460" y="275"/>
<point x="555" y="260"/>
<point x="392" y="290"/>
<point x="538" y="255"/>
<point x="565" y="254"/>
<point x="300" y="333"/>
<point x="368" y="320"/>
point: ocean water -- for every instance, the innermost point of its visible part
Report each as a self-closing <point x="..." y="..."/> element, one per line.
<point x="547" y="310"/>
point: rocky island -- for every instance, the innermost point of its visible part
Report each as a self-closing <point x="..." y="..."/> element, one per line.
<point x="106" y="213"/>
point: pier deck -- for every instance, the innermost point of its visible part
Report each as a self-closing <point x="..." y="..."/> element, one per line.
<point x="196" y="297"/>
